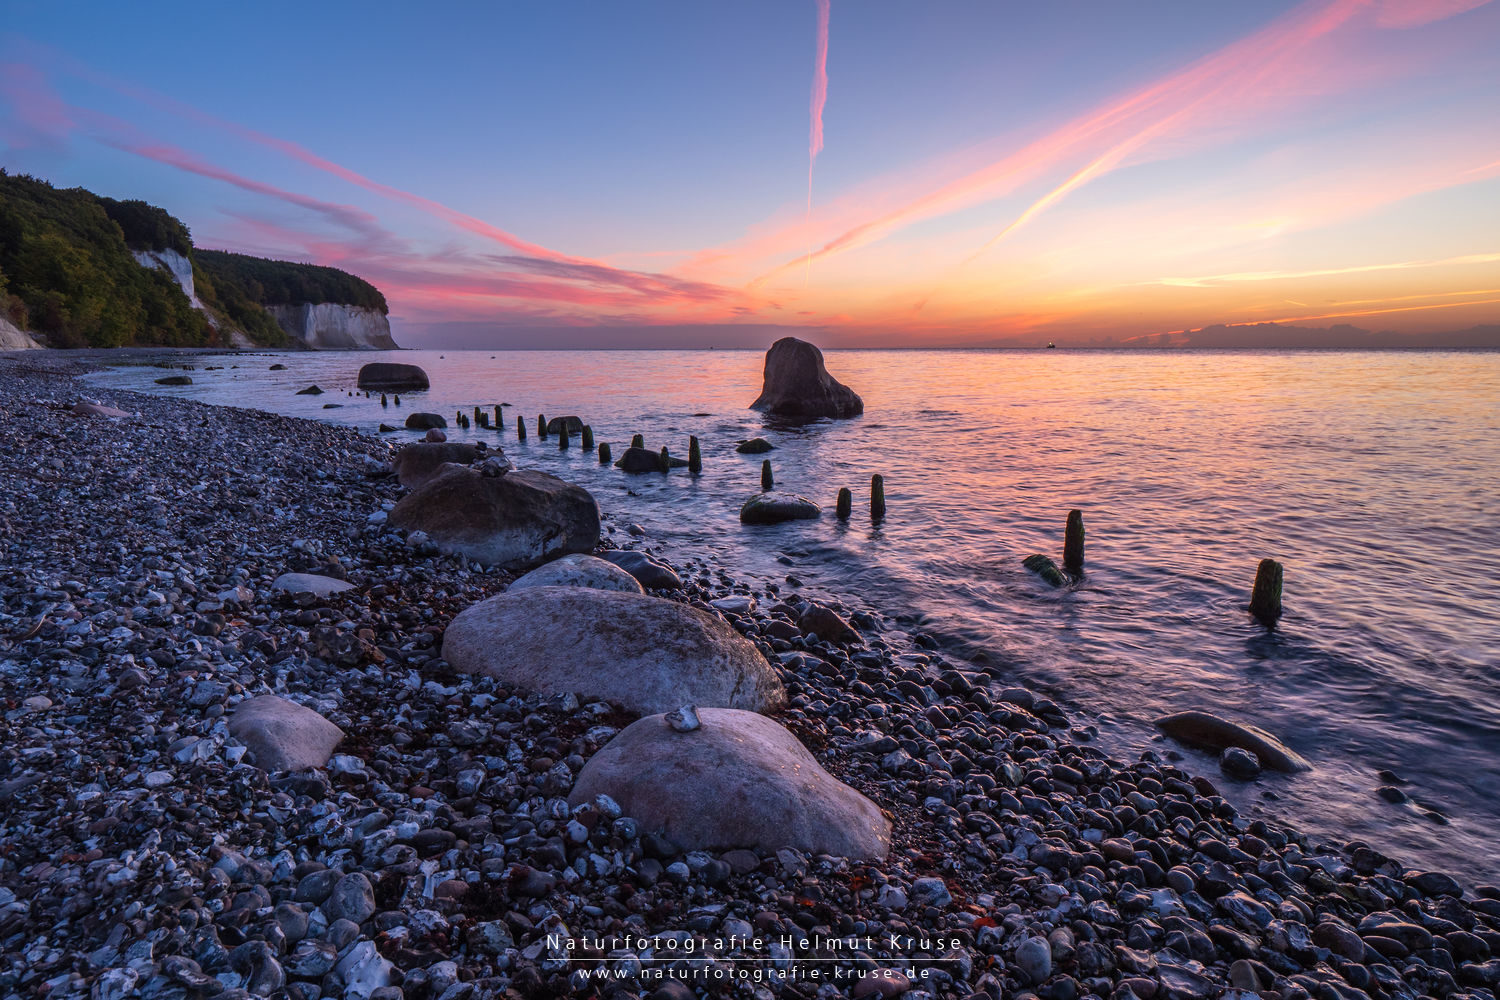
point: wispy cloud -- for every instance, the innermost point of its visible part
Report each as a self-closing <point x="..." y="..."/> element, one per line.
<point x="1209" y="280"/>
<point x="818" y="101"/>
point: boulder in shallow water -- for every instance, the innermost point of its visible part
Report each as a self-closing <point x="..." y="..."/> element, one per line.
<point x="579" y="570"/>
<point x="310" y="583"/>
<point x="424" y="421"/>
<point x="282" y="735"/>
<point x="175" y="380"/>
<point x="755" y="446"/>
<point x="420" y="461"/>
<point x="648" y="654"/>
<point x="738" y="780"/>
<point x="640" y="460"/>
<point x="1209" y="732"/>
<point x="797" y="386"/>
<point x="387" y="376"/>
<point x="311" y="390"/>
<point x="652" y="573"/>
<point x="506" y="521"/>
<point x="774" y="508"/>
<point x="573" y="425"/>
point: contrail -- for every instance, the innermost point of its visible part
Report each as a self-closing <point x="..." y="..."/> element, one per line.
<point x="819" y="98"/>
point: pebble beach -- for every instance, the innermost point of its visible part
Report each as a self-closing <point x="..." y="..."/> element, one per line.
<point x="442" y="851"/>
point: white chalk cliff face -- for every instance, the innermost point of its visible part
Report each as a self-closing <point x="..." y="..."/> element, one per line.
<point x="13" y="338"/>
<point x="329" y="326"/>
<point x="175" y="264"/>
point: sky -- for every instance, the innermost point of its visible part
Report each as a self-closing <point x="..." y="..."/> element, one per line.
<point x="879" y="174"/>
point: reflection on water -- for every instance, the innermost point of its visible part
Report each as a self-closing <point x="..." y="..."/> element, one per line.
<point x="1372" y="476"/>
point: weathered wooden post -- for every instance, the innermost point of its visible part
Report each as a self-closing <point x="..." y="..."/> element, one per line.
<point x="877" y="497"/>
<point x="604" y="455"/>
<point x="520" y="428"/>
<point x="1265" y="599"/>
<point x="1073" y="543"/>
<point x="398" y="400"/>
<point x="665" y="460"/>
<point x="383" y="401"/>
<point x="458" y="417"/>
<point x="845" y="504"/>
<point x="639" y="441"/>
<point x="586" y="440"/>
<point x="695" y="456"/>
<point x="478" y="417"/>
<point x="562" y="439"/>
<point x="499" y="418"/>
<point x="767" y="481"/>
<point x="541" y="427"/>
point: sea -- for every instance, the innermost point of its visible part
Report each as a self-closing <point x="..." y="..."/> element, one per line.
<point x="1374" y="477"/>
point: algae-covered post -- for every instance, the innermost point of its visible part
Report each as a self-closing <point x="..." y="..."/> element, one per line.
<point x="639" y="441"/>
<point x="767" y="481"/>
<point x="520" y="428"/>
<point x="478" y="417"/>
<point x="877" y="497"/>
<point x="383" y="401"/>
<point x="499" y="418"/>
<point x="666" y="459"/>
<point x="1073" y="543"/>
<point x="1265" y="598"/>
<point x="604" y="455"/>
<point x="844" y="506"/>
<point x="562" y="439"/>
<point x="541" y="427"/>
<point x="695" y="455"/>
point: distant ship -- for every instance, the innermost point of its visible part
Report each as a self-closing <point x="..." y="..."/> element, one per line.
<point x="1051" y="346"/>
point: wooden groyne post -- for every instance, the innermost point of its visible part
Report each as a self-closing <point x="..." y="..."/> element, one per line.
<point x="877" y="497"/>
<point x="844" y="506"/>
<point x="767" y="481"/>
<point x="1265" y="598"/>
<point x="604" y="455"/>
<point x="695" y="455"/>
<point x="1073" y="543"/>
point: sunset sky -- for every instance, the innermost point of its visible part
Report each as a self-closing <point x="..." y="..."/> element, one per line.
<point x="885" y="173"/>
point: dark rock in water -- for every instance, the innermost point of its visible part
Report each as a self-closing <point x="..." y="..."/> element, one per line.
<point x="420" y="461"/>
<point x="506" y="521"/>
<point x="1237" y="762"/>
<point x="647" y="653"/>
<point x="333" y="406"/>
<point x="738" y="780"/>
<point x="573" y="425"/>
<point x="423" y="421"/>
<point x="387" y="429"/>
<point x="650" y="573"/>
<point x="278" y="368"/>
<point x="755" y="446"/>
<point x="175" y="380"/>
<point x="282" y="735"/>
<point x="1202" y="729"/>
<point x="311" y="390"/>
<point x="391" y="377"/>
<point x="639" y="460"/>
<point x="774" y="508"/>
<point x="799" y="387"/>
<point x="1046" y="569"/>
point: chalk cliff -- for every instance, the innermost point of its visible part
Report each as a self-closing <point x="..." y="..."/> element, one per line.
<point x="329" y="326"/>
<point x="13" y="338"/>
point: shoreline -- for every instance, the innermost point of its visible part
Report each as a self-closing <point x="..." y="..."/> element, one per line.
<point x="1135" y="876"/>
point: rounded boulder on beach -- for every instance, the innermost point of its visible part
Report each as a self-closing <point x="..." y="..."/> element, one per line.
<point x="506" y="521"/>
<point x="578" y="570"/>
<point x="646" y="653"/>
<point x="738" y="780"/>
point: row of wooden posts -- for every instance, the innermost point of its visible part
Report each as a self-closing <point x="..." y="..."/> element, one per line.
<point x="1265" y="595"/>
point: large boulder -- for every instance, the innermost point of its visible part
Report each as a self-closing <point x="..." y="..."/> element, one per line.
<point x="175" y="380"/>
<point x="573" y="425"/>
<point x="579" y="570"/>
<point x="1209" y="732"/>
<point x="282" y="735"/>
<point x="737" y="780"/>
<point x="653" y="574"/>
<point x="420" y="461"/>
<point x="648" y="654"/>
<point x="424" y="421"/>
<point x="798" y="387"/>
<point x="506" y="521"/>
<point x="774" y="508"/>
<point x="640" y="460"/>
<point x="387" y="376"/>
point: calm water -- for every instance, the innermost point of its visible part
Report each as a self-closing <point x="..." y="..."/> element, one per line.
<point x="1373" y="476"/>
